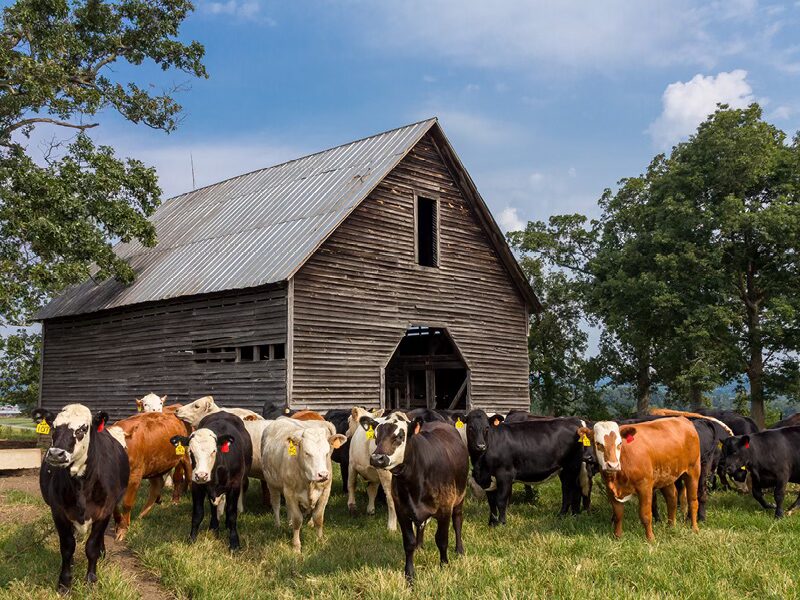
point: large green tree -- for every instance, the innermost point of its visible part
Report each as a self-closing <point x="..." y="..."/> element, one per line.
<point x="65" y="65"/>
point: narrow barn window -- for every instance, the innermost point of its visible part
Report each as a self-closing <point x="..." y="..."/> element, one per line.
<point x="245" y="354"/>
<point x="427" y="221"/>
<point x="279" y="351"/>
<point x="263" y="352"/>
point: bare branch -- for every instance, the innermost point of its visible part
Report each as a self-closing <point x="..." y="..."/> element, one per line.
<point x="26" y="122"/>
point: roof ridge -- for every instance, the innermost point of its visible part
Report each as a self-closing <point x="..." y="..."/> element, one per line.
<point x="305" y="156"/>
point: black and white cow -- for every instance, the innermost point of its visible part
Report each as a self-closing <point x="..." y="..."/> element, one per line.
<point x="83" y="476"/>
<point x="221" y="453"/>
<point x="429" y="465"/>
<point x="529" y="451"/>
<point x="772" y="459"/>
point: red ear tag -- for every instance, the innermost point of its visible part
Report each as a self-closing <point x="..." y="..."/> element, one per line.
<point x="747" y="444"/>
<point x="629" y="438"/>
<point x="102" y="426"/>
<point x="226" y="446"/>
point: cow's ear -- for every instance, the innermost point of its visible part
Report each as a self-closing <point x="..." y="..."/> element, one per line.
<point x="367" y="422"/>
<point x="99" y="420"/>
<point x="746" y="441"/>
<point x="139" y="405"/>
<point x="175" y="440"/>
<point x="224" y="443"/>
<point x="337" y="440"/>
<point x="585" y="432"/>
<point x="164" y="399"/>
<point x="416" y="425"/>
<point x="40" y="414"/>
<point x="496" y="419"/>
<point x="627" y="433"/>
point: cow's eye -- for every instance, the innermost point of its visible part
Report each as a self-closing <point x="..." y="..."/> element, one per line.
<point x="600" y="446"/>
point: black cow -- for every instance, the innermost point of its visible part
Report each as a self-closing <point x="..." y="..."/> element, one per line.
<point x="429" y="467"/>
<point x="788" y="421"/>
<point x="221" y="453"/>
<point x="529" y="451"/>
<point x="772" y="459"/>
<point x="341" y="455"/>
<point x="739" y="424"/>
<point x="276" y="409"/>
<point x="83" y="476"/>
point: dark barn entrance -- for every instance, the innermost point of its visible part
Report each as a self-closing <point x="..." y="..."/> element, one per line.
<point x="426" y="371"/>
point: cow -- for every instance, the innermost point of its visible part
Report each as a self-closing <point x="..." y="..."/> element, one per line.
<point x="221" y="455"/>
<point x="83" y="476"/>
<point x="528" y="451"/>
<point x="151" y="403"/>
<point x="296" y="456"/>
<point x="738" y="424"/>
<point x="362" y="443"/>
<point x="150" y="456"/>
<point x="341" y="455"/>
<point x="195" y="412"/>
<point x="428" y="463"/>
<point x="788" y="421"/>
<point x="770" y="457"/>
<point x="155" y="403"/>
<point x="637" y="459"/>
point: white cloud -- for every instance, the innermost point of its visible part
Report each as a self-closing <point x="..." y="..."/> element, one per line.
<point x="572" y="172"/>
<point x="509" y="220"/>
<point x="472" y="87"/>
<point x="781" y="113"/>
<point x="572" y="33"/>
<point x="248" y="10"/>
<point x="536" y="178"/>
<point x="687" y="104"/>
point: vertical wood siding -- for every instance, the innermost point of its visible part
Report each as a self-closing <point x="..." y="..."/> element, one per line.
<point x="354" y="299"/>
<point x="106" y="360"/>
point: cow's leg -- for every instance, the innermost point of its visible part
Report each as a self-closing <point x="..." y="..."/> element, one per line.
<point x="780" y="493"/>
<point x="265" y="495"/>
<point x="198" y="497"/>
<point x="702" y="493"/>
<point x="566" y="495"/>
<point x="491" y="498"/>
<point x="127" y="504"/>
<point x="409" y="544"/>
<point x="617" y="512"/>
<point x="242" y="493"/>
<point x="671" y="498"/>
<point x="654" y="507"/>
<point x="180" y="478"/>
<point x="795" y="504"/>
<point x="646" y="511"/>
<point x="585" y="480"/>
<point x="66" y="539"/>
<point x="94" y="547"/>
<point x="504" y="484"/>
<point x="318" y="514"/>
<point x="420" y="529"/>
<point x="442" y="537"/>
<point x="156" y="485"/>
<point x="296" y="519"/>
<point x="529" y="493"/>
<point x="372" y="492"/>
<point x="216" y="510"/>
<point x="691" y="479"/>
<point x="275" y="500"/>
<point x="758" y="494"/>
<point x="231" y="517"/>
<point x="344" y="467"/>
<point x="352" y="480"/>
<point x="386" y="484"/>
<point x="458" y="520"/>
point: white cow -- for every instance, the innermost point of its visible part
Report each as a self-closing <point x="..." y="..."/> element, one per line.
<point x="362" y="444"/>
<point x="151" y="403"/>
<point x="193" y="413"/>
<point x="296" y="456"/>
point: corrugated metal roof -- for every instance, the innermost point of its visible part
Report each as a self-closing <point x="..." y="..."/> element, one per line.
<point x="247" y="231"/>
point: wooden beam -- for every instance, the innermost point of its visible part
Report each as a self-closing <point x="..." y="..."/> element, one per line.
<point x="430" y="388"/>
<point x="459" y="393"/>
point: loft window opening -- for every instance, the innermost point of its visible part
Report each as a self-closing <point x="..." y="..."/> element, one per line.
<point x="427" y="219"/>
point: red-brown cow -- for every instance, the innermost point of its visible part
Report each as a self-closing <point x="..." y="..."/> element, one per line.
<point x="151" y="455"/>
<point x="636" y="459"/>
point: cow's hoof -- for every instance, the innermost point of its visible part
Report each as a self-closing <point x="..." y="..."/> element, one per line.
<point x="120" y="536"/>
<point x="371" y="512"/>
<point x="91" y="578"/>
<point x="352" y="509"/>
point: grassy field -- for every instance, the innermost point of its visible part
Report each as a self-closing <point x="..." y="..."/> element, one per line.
<point x="741" y="552"/>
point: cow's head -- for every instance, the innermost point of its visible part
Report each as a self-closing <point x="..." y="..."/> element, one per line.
<point x="202" y="447"/>
<point x="607" y="438"/>
<point x="736" y="457"/>
<point x="478" y="424"/>
<point x="151" y="403"/>
<point x="586" y="442"/>
<point x="71" y="431"/>
<point x="313" y="447"/>
<point x="391" y="436"/>
<point x="193" y="413"/>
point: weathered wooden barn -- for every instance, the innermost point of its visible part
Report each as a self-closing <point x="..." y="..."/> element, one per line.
<point x="371" y="273"/>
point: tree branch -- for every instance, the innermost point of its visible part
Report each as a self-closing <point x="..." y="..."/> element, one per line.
<point x="26" y="122"/>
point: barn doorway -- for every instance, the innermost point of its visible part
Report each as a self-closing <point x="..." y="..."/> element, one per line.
<point x="426" y="370"/>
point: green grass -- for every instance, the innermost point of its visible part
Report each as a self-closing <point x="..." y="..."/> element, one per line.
<point x="17" y="428"/>
<point x="741" y="552"/>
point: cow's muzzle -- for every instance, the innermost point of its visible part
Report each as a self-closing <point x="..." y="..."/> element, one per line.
<point x="480" y="447"/>
<point x="379" y="461"/>
<point x="612" y="467"/>
<point x="57" y="457"/>
<point x="200" y="477"/>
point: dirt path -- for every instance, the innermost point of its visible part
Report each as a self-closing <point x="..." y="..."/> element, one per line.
<point x="147" y="585"/>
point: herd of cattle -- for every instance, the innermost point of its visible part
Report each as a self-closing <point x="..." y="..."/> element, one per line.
<point x="420" y="458"/>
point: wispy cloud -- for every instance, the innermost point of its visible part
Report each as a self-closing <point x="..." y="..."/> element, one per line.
<point x="687" y="104"/>
<point x="509" y="220"/>
<point x="247" y="10"/>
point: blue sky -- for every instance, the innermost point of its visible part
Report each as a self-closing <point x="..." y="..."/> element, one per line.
<point x="547" y="103"/>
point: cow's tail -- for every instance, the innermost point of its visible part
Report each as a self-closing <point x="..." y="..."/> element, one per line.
<point x="667" y="412"/>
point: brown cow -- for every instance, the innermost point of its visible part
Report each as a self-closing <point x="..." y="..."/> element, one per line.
<point x="307" y="415"/>
<point x="151" y="455"/>
<point x="637" y="459"/>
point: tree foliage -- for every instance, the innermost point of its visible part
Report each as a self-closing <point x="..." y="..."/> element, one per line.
<point x="61" y="212"/>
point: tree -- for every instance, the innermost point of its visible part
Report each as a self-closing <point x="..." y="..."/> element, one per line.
<point x="740" y="179"/>
<point x="60" y="213"/>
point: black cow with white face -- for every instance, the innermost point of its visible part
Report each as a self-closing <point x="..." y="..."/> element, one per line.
<point x="221" y="453"/>
<point x="83" y="476"/>
<point x="429" y="465"/>
<point x="772" y="459"/>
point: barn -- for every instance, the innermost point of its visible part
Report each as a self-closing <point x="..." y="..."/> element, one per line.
<point x="368" y="274"/>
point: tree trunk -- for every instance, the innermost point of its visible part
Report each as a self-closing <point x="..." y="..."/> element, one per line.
<point x="755" y="373"/>
<point x="755" y="366"/>
<point x="643" y="389"/>
<point x="696" y="395"/>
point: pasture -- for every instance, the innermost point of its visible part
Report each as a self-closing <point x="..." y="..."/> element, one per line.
<point x="741" y="552"/>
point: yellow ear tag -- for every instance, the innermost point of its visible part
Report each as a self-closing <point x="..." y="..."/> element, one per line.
<point x="585" y="440"/>
<point x="719" y="445"/>
<point x="370" y="433"/>
<point x="292" y="449"/>
<point x="744" y="468"/>
<point x="139" y="407"/>
<point x="180" y="449"/>
<point x="459" y="423"/>
<point x="43" y="427"/>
